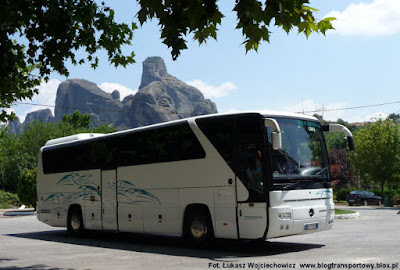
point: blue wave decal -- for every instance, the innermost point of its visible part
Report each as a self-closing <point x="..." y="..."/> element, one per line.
<point x="133" y="194"/>
<point x="55" y="198"/>
<point x="127" y="191"/>
<point x="82" y="182"/>
<point x="325" y="193"/>
<point x="75" y="179"/>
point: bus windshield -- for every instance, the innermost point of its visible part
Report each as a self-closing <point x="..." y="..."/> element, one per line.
<point x="303" y="160"/>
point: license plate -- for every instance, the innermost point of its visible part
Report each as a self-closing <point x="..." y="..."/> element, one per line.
<point x="351" y="200"/>
<point x="311" y="226"/>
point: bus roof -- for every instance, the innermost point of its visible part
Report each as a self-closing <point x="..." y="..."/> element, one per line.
<point x="76" y="137"/>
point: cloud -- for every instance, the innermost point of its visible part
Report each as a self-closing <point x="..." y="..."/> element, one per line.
<point x="378" y="18"/>
<point x="366" y="116"/>
<point x="47" y="96"/>
<point x="210" y="91"/>
<point x="123" y="91"/>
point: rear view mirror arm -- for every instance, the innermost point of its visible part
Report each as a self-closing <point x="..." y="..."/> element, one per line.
<point x="342" y="129"/>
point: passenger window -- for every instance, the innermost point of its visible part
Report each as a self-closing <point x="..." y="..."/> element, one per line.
<point x="220" y="133"/>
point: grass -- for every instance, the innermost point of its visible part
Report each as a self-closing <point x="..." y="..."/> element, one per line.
<point x="340" y="202"/>
<point x="342" y="212"/>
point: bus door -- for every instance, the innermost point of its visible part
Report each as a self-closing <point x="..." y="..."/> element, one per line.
<point x="252" y="213"/>
<point x="109" y="200"/>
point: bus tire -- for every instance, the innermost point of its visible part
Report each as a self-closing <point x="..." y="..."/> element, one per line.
<point x="198" y="230"/>
<point x="75" y="221"/>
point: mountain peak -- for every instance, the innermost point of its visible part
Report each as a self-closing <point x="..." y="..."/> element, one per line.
<point x="153" y="70"/>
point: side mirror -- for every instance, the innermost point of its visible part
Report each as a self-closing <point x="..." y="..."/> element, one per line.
<point x="342" y="129"/>
<point x="276" y="134"/>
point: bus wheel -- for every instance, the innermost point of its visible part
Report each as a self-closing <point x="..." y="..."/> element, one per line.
<point x="198" y="230"/>
<point x="75" y="221"/>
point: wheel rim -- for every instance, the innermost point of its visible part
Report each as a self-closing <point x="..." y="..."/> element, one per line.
<point x="198" y="228"/>
<point x="75" y="223"/>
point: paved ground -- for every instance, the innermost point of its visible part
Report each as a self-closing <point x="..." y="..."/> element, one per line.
<point x="373" y="238"/>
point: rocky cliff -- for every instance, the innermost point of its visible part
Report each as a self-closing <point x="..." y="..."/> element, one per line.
<point x="42" y="115"/>
<point x="161" y="97"/>
<point x="15" y="126"/>
<point x="87" y="97"/>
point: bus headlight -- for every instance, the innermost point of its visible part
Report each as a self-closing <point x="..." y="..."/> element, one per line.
<point x="287" y="215"/>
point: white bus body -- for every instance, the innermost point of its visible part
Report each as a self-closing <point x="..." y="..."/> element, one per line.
<point x="187" y="178"/>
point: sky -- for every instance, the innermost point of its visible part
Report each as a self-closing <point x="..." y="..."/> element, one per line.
<point x="355" y="65"/>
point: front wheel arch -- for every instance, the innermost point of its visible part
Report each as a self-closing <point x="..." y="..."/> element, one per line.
<point x="198" y="229"/>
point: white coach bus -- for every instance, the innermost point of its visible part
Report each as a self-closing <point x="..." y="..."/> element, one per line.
<point x="238" y="176"/>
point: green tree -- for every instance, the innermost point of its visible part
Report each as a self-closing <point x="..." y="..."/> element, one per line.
<point x="77" y="120"/>
<point x="377" y="155"/>
<point x="53" y="31"/>
<point x="335" y="140"/>
<point x="19" y="152"/>
<point x="395" y="117"/>
<point x="38" y="36"/>
<point x="12" y="162"/>
<point x="27" y="187"/>
<point x="177" y="19"/>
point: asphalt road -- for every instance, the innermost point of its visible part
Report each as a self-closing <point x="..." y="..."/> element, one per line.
<point x="373" y="238"/>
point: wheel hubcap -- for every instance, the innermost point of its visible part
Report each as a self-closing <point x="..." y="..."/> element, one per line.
<point x="75" y="223"/>
<point x="198" y="228"/>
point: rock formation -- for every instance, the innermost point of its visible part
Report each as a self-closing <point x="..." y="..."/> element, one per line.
<point x="40" y="115"/>
<point x="162" y="97"/>
<point x="15" y="127"/>
<point x="87" y="97"/>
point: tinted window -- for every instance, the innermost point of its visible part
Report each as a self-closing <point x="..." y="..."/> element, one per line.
<point x="176" y="143"/>
<point x="171" y="143"/>
<point x="250" y="129"/>
<point x="220" y="133"/>
<point x="134" y="148"/>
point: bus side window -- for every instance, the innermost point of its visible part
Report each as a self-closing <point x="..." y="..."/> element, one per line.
<point x="220" y="133"/>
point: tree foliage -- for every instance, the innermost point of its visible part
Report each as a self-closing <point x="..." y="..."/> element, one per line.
<point x="77" y="120"/>
<point x="201" y="18"/>
<point x="40" y="36"/>
<point x="19" y="152"/>
<point x="26" y="189"/>
<point x="341" y="169"/>
<point x="377" y="155"/>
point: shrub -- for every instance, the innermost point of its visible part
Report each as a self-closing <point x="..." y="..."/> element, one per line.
<point x="27" y="187"/>
<point x="9" y="200"/>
